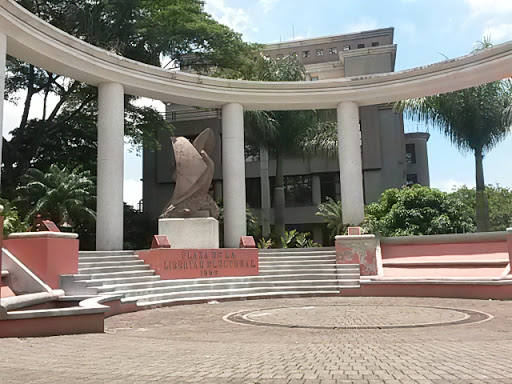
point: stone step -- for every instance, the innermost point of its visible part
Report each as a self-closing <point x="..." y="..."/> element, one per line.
<point x="173" y="283"/>
<point x="125" y="280"/>
<point x="104" y="253"/>
<point x="295" y="253"/>
<point x="298" y="267"/>
<point x="297" y="258"/>
<point x="95" y="259"/>
<point x="96" y="270"/>
<point x="229" y="285"/>
<point x="297" y="262"/>
<point x="291" y="271"/>
<point x="288" y="250"/>
<point x="109" y="263"/>
<point x="115" y="275"/>
<point x="229" y="292"/>
<point x="5" y="273"/>
<point x="208" y="298"/>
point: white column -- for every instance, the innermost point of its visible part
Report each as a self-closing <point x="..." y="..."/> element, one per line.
<point x="3" y="54"/>
<point x="233" y="174"/>
<point x="265" y="192"/>
<point x="109" y="224"/>
<point x="351" y="170"/>
<point x="316" y="190"/>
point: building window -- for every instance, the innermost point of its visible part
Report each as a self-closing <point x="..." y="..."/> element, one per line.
<point x="333" y="51"/>
<point x="410" y="154"/>
<point x="375" y="44"/>
<point x="305" y="54"/>
<point x="298" y="191"/>
<point x="328" y="183"/>
<point x="346" y="48"/>
<point x="314" y="78"/>
<point x="253" y="192"/>
<point x="279" y="56"/>
<point x="412" y="178"/>
<point x="319" y="52"/>
<point x="293" y="54"/>
<point x="360" y="45"/>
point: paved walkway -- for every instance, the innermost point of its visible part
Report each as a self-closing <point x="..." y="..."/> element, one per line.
<point x="308" y="340"/>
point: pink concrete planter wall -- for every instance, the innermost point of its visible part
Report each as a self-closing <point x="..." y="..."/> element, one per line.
<point x="358" y="249"/>
<point x="477" y="250"/>
<point x="194" y="263"/>
<point x="47" y="254"/>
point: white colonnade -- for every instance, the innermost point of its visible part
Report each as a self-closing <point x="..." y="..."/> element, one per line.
<point x="34" y="41"/>
<point x="109" y="223"/>
<point x="233" y="174"/>
<point x="3" y="54"/>
<point x="351" y="169"/>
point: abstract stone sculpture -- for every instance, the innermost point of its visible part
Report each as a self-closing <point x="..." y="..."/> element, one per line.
<point x="194" y="174"/>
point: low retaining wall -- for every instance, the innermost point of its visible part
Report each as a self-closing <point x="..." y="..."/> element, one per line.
<point x="47" y="254"/>
<point x="173" y="264"/>
<point x="474" y="245"/>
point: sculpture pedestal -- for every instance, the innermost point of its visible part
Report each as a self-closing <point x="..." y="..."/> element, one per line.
<point x="196" y="232"/>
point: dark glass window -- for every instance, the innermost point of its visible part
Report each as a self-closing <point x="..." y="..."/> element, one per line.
<point x="410" y="154"/>
<point x="305" y="54"/>
<point x="346" y="48"/>
<point x="297" y="191"/>
<point x="328" y="183"/>
<point x="319" y="52"/>
<point x="253" y="192"/>
<point x="360" y="45"/>
<point x="412" y="178"/>
<point x="333" y="51"/>
<point x="375" y="44"/>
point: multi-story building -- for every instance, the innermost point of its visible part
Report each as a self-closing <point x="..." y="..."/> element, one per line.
<point x="390" y="157"/>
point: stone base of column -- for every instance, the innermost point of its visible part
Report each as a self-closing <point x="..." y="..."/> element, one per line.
<point x="195" y="233"/>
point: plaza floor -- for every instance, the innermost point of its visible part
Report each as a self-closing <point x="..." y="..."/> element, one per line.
<point x="307" y="340"/>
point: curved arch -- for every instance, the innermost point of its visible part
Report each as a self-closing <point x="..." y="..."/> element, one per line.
<point x="37" y="42"/>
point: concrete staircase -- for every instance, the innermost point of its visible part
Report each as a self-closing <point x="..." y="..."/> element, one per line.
<point x="287" y="272"/>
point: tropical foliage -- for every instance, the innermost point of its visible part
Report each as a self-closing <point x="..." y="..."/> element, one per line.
<point x="332" y="213"/>
<point x="12" y="219"/>
<point x="500" y="204"/>
<point x="280" y="132"/>
<point x="475" y="120"/>
<point x="61" y="195"/>
<point x="417" y="210"/>
<point x="155" y="32"/>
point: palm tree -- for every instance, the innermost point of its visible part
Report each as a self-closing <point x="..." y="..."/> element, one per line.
<point x="60" y="195"/>
<point x="474" y="119"/>
<point x="279" y="132"/>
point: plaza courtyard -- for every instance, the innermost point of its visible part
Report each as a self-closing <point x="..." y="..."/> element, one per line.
<point x="302" y="340"/>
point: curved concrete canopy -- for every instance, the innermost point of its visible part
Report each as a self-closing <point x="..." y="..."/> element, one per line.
<point x="37" y="42"/>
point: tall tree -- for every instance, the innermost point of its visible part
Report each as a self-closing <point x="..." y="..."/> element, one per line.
<point x="475" y="120"/>
<point x="280" y="132"/>
<point x="150" y="31"/>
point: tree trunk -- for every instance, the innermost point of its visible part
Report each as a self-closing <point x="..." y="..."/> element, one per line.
<point x="483" y="223"/>
<point x="279" y="200"/>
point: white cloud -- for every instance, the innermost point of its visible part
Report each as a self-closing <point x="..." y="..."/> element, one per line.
<point x="499" y="32"/>
<point x="494" y="16"/>
<point x="235" y="18"/>
<point x="132" y="192"/>
<point x="267" y="5"/>
<point x="449" y="185"/>
<point x="364" y="24"/>
<point x="489" y="7"/>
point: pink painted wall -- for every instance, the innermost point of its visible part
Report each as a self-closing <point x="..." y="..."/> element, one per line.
<point x="194" y="263"/>
<point x="470" y="251"/>
<point x="47" y="257"/>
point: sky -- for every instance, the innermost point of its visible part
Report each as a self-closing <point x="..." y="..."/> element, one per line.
<point x="426" y="31"/>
